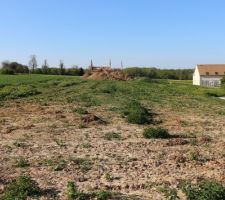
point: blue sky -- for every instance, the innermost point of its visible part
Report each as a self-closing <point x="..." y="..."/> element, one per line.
<point x="161" y="33"/>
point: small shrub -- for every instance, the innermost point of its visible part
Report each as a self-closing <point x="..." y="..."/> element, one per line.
<point x="80" y="111"/>
<point x="72" y="191"/>
<point x="20" y="189"/>
<point x="104" y="195"/>
<point x="137" y="114"/>
<point x="84" y="164"/>
<point x="57" y="164"/>
<point x="206" y="190"/>
<point x="194" y="155"/>
<point x="150" y="133"/>
<point x="21" y="162"/>
<point x="60" y="165"/>
<point x="112" y="136"/>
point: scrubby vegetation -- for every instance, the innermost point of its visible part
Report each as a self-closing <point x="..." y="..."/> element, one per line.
<point x="21" y="188"/>
<point x="151" y="133"/>
<point x="205" y="190"/>
<point x="74" y="193"/>
<point x="137" y="114"/>
<point x="110" y="136"/>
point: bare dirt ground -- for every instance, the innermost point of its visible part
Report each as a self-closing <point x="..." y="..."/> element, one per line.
<point x="51" y="139"/>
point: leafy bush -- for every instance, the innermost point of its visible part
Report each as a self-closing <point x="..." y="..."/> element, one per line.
<point x="20" y="189"/>
<point x="112" y="136"/>
<point x="156" y="133"/>
<point x="137" y="114"/>
<point x="206" y="190"/>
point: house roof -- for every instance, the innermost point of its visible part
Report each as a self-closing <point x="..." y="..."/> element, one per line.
<point x="212" y="69"/>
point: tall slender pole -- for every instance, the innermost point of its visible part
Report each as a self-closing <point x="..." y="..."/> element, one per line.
<point x="110" y="63"/>
<point x="121" y="64"/>
<point x="91" y="66"/>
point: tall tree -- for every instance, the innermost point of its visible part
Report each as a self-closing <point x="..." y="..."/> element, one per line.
<point x="45" y="67"/>
<point x="33" y="63"/>
<point x="61" y="65"/>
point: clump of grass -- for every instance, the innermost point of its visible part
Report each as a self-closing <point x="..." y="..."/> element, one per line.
<point x="194" y="155"/>
<point x="84" y="164"/>
<point x="137" y="114"/>
<point x="74" y="193"/>
<point x="104" y="195"/>
<point x="60" y="143"/>
<point x="57" y="164"/>
<point x="21" y="188"/>
<point x="109" y="89"/>
<point x="89" y="100"/>
<point x="112" y="136"/>
<point x="205" y="190"/>
<point x="109" y="177"/>
<point x="80" y="111"/>
<point x="157" y="133"/>
<point x="67" y="83"/>
<point x="22" y="162"/>
<point x="169" y="193"/>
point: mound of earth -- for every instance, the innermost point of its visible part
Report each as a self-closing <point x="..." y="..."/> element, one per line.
<point x="106" y="74"/>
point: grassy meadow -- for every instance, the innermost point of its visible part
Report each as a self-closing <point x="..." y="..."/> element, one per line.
<point x="170" y="94"/>
<point x="64" y="137"/>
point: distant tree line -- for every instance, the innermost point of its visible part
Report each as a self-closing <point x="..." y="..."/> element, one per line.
<point x="177" y="74"/>
<point x="17" y="68"/>
<point x="14" y="68"/>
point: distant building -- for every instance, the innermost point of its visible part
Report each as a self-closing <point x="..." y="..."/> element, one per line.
<point x="209" y="75"/>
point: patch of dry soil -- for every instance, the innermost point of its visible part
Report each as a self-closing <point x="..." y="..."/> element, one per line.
<point x="46" y="135"/>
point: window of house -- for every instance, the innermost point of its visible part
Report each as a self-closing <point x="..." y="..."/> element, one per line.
<point x="207" y="73"/>
<point x="216" y="73"/>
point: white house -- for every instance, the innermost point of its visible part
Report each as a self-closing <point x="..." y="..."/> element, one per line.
<point x="209" y="75"/>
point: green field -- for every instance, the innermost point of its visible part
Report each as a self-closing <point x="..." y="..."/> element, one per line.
<point x="176" y="95"/>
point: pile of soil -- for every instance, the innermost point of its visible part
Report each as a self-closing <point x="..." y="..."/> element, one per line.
<point x="106" y="74"/>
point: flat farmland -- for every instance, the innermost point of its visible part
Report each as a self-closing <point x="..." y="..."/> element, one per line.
<point x="60" y="130"/>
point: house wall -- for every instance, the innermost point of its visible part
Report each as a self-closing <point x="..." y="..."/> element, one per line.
<point x="210" y="81"/>
<point x="196" y="77"/>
